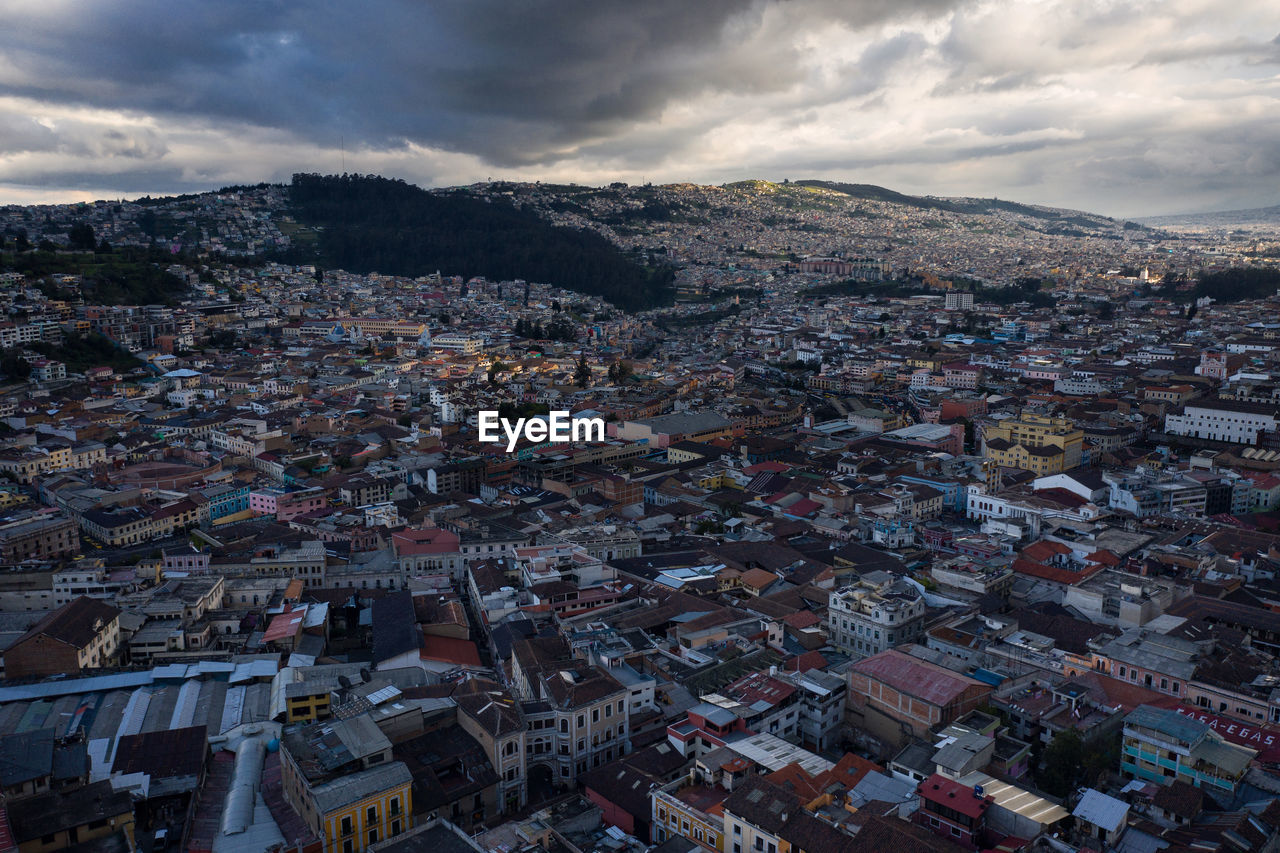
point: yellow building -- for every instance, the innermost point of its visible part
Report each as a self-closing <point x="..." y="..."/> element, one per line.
<point x="685" y="809"/>
<point x="307" y="702"/>
<point x="926" y="361"/>
<point x="340" y="778"/>
<point x="10" y="499"/>
<point x="1036" y="443"/>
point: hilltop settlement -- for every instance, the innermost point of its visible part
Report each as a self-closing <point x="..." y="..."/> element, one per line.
<point x="918" y="524"/>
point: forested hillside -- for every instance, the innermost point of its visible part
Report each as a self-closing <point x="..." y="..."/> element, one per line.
<point x="367" y="223"/>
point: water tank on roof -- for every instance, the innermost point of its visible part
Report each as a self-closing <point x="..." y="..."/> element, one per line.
<point x="273" y="745"/>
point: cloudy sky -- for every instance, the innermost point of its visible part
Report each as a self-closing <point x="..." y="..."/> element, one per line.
<point x="1123" y="107"/>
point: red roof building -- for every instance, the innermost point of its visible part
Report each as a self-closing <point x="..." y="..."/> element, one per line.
<point x="952" y="809"/>
<point x="893" y="691"/>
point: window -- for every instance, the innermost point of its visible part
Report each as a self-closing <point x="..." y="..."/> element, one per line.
<point x="347" y="846"/>
<point x="346" y="826"/>
<point x="395" y="827"/>
<point x="373" y="836"/>
<point x="395" y="805"/>
<point x="582" y="720"/>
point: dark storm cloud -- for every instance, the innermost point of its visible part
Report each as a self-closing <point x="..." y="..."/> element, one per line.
<point x="515" y="82"/>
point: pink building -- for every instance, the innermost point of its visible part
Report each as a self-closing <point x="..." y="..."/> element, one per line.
<point x="186" y="560"/>
<point x="961" y="375"/>
<point x="263" y="501"/>
<point x="293" y="504"/>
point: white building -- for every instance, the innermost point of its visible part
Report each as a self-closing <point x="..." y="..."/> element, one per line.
<point x="877" y="613"/>
<point x="48" y="371"/>
<point x="1223" y="420"/>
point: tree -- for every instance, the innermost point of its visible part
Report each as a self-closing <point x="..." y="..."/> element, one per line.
<point x="619" y="371"/>
<point x="81" y="237"/>
<point x="582" y="376"/>
<point x="495" y="368"/>
<point x="1062" y="763"/>
<point x="15" y="366"/>
<point x="104" y="248"/>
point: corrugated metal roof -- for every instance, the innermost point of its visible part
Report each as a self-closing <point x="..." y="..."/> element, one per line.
<point x="906" y="674"/>
<point x="184" y="709"/>
<point x="232" y="707"/>
<point x="66" y="686"/>
<point x="1100" y="810"/>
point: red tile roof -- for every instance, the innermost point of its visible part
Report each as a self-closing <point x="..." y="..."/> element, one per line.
<point x="432" y="540"/>
<point x="449" y="650"/>
<point x="1044" y="550"/>
<point x="762" y="467"/>
<point x="802" y="619"/>
<point x="1053" y="573"/>
<point x="805" y="662"/>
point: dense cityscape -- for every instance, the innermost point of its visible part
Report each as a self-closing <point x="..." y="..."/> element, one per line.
<point x="920" y="524"/>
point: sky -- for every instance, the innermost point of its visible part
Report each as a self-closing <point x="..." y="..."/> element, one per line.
<point x="1121" y="107"/>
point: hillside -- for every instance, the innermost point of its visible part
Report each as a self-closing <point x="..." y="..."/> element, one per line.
<point x="367" y="223"/>
<point x="1222" y="220"/>
<point x="978" y="206"/>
